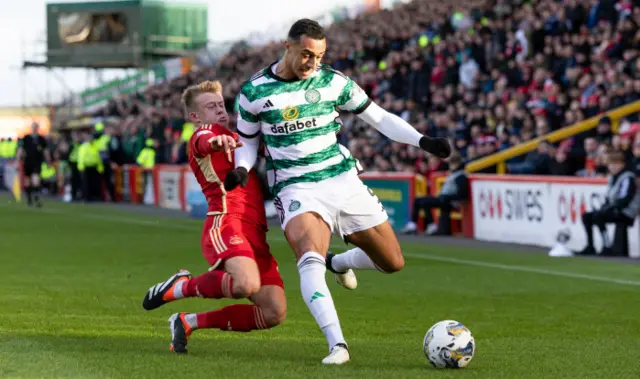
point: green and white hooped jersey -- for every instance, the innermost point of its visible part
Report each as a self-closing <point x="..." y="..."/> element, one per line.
<point x="299" y="121"/>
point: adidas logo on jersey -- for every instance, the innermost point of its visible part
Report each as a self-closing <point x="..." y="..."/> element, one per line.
<point x="268" y="104"/>
<point x="289" y="127"/>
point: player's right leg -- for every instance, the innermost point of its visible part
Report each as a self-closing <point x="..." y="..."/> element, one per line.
<point x="215" y="284"/>
<point x="309" y="237"/>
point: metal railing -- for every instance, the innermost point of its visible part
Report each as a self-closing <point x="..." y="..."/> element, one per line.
<point x="499" y="159"/>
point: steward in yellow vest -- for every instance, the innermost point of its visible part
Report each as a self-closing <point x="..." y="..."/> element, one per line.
<point x="91" y="166"/>
<point x="147" y="156"/>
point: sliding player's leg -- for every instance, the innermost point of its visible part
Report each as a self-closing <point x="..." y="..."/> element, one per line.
<point x="309" y="237"/>
<point x="270" y="303"/>
<point x="268" y="311"/>
<point x="240" y="278"/>
<point x="223" y="246"/>
<point x="270" y="298"/>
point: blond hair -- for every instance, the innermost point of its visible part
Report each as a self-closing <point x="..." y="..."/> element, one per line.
<point x="192" y="92"/>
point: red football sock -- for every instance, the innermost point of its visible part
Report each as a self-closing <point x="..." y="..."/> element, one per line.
<point x="212" y="284"/>
<point x="236" y="318"/>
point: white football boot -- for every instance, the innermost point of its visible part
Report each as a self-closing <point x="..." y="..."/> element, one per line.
<point x="338" y="355"/>
<point x="346" y="279"/>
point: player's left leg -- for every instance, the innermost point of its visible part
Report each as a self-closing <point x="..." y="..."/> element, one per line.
<point x="377" y="249"/>
<point x="271" y="298"/>
<point x="272" y="303"/>
<point x="269" y="310"/>
<point x="364" y="223"/>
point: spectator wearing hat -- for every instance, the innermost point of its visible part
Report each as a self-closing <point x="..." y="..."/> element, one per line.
<point x="603" y="130"/>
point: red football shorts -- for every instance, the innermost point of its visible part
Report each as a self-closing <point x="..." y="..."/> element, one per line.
<point x="225" y="237"/>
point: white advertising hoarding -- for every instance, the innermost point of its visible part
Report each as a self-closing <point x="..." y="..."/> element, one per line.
<point x="509" y="211"/>
<point x="533" y="210"/>
<point x="169" y="189"/>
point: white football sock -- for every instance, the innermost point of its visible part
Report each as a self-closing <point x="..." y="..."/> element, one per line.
<point x="177" y="289"/>
<point x="192" y="320"/>
<point x="355" y="259"/>
<point x="316" y="295"/>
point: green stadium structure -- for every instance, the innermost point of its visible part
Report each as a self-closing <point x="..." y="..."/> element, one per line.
<point x="122" y="34"/>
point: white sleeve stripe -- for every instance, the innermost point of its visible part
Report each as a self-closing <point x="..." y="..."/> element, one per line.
<point x="244" y="102"/>
<point x="624" y="188"/>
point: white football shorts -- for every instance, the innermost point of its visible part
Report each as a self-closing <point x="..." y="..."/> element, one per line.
<point x="344" y="202"/>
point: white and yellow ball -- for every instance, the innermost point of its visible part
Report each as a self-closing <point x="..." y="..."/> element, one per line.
<point x="449" y="344"/>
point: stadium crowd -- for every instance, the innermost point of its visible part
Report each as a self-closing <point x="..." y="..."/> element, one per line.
<point x="488" y="74"/>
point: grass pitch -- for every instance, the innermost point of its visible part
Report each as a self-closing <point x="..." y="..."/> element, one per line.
<point x="72" y="279"/>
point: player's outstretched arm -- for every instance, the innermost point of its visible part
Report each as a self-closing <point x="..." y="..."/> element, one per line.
<point x="207" y="143"/>
<point x="399" y="130"/>
<point x="249" y="135"/>
<point x="226" y="144"/>
<point x="352" y="98"/>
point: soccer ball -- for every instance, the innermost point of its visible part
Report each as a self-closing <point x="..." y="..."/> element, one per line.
<point x="449" y="344"/>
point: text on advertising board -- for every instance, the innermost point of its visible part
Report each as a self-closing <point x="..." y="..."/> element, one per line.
<point x="511" y="204"/>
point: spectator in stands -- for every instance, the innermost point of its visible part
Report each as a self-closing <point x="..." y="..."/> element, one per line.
<point x="454" y="191"/>
<point x="165" y="147"/>
<point x="603" y="130"/>
<point x="526" y="68"/>
<point x="536" y="163"/>
<point x="622" y="203"/>
<point x="590" y="154"/>
<point x="178" y="150"/>
<point x="561" y="165"/>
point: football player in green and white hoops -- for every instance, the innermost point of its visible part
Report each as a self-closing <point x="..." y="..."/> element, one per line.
<point x="292" y="104"/>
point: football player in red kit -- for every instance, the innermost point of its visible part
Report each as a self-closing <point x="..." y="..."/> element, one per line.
<point x="233" y="239"/>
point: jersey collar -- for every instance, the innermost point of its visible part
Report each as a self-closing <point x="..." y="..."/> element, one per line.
<point x="270" y="71"/>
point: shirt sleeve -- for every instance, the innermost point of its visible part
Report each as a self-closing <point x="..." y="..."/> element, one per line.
<point x="353" y="98"/>
<point x="201" y="143"/>
<point x="248" y="124"/>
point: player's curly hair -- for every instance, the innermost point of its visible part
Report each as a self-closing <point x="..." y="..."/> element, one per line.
<point x="192" y="92"/>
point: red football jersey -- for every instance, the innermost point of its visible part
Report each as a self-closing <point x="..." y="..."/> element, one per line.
<point x="210" y="168"/>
